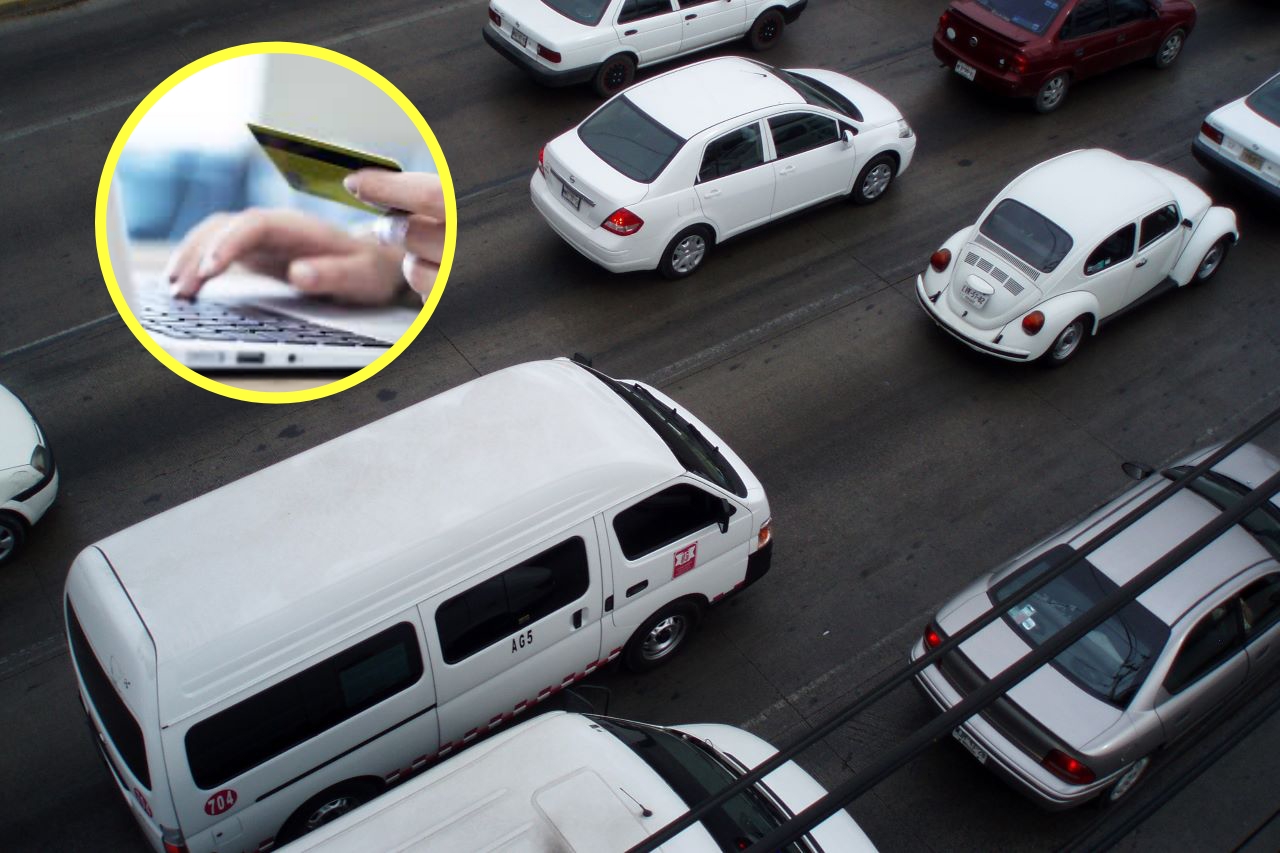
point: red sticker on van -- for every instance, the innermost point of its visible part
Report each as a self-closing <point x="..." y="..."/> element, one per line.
<point x="142" y="801"/>
<point x="220" y="802"/>
<point x="685" y="560"/>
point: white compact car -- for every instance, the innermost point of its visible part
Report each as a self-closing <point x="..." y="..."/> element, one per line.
<point x="1069" y="245"/>
<point x="28" y="477"/>
<point x="671" y="167"/>
<point x="1242" y="139"/>
<point x="562" y="42"/>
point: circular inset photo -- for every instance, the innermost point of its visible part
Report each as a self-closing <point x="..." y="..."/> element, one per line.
<point x="276" y="222"/>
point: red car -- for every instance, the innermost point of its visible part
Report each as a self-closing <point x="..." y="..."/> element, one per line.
<point x="1038" y="48"/>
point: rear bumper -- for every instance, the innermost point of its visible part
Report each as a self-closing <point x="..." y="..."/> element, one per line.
<point x="1001" y="82"/>
<point x="532" y="67"/>
<point x="1215" y="161"/>
<point x="1007" y="353"/>
<point x="615" y="258"/>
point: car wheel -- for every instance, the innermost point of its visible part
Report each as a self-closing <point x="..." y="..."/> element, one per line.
<point x="614" y="75"/>
<point x="661" y="636"/>
<point x="1170" y="49"/>
<point x="1212" y="260"/>
<point x="1128" y="780"/>
<point x="1067" y="343"/>
<point x="12" y="534"/>
<point x="1052" y="92"/>
<point x="766" y="31"/>
<point x="874" y="179"/>
<point x="326" y="806"/>
<point x="685" y="253"/>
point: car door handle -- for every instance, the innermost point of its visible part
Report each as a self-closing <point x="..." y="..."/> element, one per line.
<point x="787" y="170"/>
<point x="632" y="590"/>
<point x="1079" y="51"/>
<point x="577" y="617"/>
<point x="690" y="17"/>
<point x="1141" y="263"/>
<point x="630" y="32"/>
<point x="711" y="193"/>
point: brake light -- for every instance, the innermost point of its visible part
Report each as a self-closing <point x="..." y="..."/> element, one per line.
<point x="1020" y="63"/>
<point x="944" y="19"/>
<point x="172" y="840"/>
<point x="542" y="165"/>
<point x="622" y="222"/>
<point x="932" y="636"/>
<point x="548" y="54"/>
<point x="940" y="259"/>
<point x="1033" y="322"/>
<point x="1212" y="132"/>
<point x="495" y="17"/>
<point x="1067" y="768"/>
<point x="765" y="536"/>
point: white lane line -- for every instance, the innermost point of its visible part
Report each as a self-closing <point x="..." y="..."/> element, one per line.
<point x="97" y="321"/>
<point x="400" y="22"/>
<point x="38" y="652"/>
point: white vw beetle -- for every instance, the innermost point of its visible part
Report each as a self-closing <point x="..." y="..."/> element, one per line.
<point x="28" y="477"/>
<point x="562" y="42"/>
<point x="666" y="170"/>
<point x="1069" y="245"/>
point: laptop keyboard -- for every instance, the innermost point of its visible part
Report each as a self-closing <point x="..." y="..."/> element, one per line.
<point x="204" y="320"/>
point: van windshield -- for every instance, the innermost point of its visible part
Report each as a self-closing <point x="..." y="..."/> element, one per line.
<point x="121" y="726"/>
<point x="691" y="448"/>
<point x="695" y="770"/>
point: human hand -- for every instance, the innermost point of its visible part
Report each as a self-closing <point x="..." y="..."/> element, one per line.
<point x="308" y="253"/>
<point x="418" y="230"/>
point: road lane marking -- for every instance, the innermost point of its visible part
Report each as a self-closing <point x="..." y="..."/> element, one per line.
<point x="36" y="653"/>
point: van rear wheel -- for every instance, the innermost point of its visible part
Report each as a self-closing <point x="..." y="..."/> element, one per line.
<point x="328" y="805"/>
<point x="661" y="636"/>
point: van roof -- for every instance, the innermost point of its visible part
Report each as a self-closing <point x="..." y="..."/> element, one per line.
<point x="556" y="782"/>
<point x="240" y="583"/>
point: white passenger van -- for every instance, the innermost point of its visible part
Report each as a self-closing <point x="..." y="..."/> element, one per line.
<point x="566" y="782"/>
<point x="267" y="656"/>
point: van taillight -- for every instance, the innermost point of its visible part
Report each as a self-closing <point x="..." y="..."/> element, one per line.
<point x="1065" y="767"/>
<point x="172" y="840"/>
<point x="1212" y="132"/>
<point x="765" y="536"/>
<point x="622" y="222"/>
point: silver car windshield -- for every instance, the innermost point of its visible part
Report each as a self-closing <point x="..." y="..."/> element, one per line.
<point x="1112" y="660"/>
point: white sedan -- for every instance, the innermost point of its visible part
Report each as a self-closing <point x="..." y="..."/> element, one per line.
<point x="28" y="478"/>
<point x="1069" y="245"/>
<point x="561" y="42"/>
<point x="1242" y="139"/>
<point x="666" y="170"/>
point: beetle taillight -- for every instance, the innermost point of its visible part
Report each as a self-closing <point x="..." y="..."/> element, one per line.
<point x="1212" y="132"/>
<point x="940" y="259"/>
<point x="495" y="17"/>
<point x="548" y="54"/>
<point x="1033" y="322"/>
<point x="1068" y="768"/>
<point x="622" y="222"/>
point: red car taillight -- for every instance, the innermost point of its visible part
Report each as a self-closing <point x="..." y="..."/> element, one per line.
<point x="1033" y="322"/>
<point x="172" y="840"/>
<point x="1212" y="132"/>
<point x="495" y="17"/>
<point x="1067" y="768"/>
<point x="542" y="165"/>
<point x="940" y="259"/>
<point x="944" y="19"/>
<point x="932" y="636"/>
<point x="622" y="222"/>
<point x="1020" y="63"/>
<point x="548" y="54"/>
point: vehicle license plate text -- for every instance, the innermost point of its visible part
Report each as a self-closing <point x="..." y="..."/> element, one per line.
<point x="973" y="297"/>
<point x="966" y="70"/>
<point x="970" y="744"/>
<point x="574" y="200"/>
<point x="523" y="40"/>
<point x="1251" y="159"/>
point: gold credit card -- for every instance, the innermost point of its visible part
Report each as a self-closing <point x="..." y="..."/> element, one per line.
<point x="317" y="168"/>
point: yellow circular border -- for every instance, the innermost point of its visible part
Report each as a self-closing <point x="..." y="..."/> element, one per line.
<point x="450" y="227"/>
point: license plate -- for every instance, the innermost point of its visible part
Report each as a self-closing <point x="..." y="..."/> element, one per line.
<point x="966" y="70"/>
<point x="975" y="298"/>
<point x="570" y="196"/>
<point x="1252" y="160"/>
<point x="523" y="40"/>
<point x="970" y="744"/>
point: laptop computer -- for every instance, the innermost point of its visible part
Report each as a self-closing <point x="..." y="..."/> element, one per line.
<point x="247" y="322"/>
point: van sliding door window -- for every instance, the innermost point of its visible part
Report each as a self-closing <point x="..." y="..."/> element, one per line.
<point x="669" y="516"/>
<point x="496" y="608"/>
<point x="302" y="706"/>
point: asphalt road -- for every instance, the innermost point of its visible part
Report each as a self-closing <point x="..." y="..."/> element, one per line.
<point x="898" y="464"/>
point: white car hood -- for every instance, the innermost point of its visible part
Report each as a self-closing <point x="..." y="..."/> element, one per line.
<point x="1248" y="128"/>
<point x="876" y="109"/>
<point x="18" y="435"/>
<point x="543" y="24"/>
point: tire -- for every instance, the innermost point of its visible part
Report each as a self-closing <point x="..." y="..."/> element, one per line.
<point x="614" y="74"/>
<point x="328" y="805"/>
<point x="686" y="253"/>
<point x="1068" y="343"/>
<point x="766" y="30"/>
<point x="1120" y="789"/>
<point x="874" y="179"/>
<point x="13" y="534"/>
<point x="661" y="636"/>
<point x="1170" y="49"/>
<point x="1052" y="92"/>
<point x="1212" y="260"/>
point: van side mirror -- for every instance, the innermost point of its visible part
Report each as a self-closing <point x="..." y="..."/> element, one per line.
<point x="723" y="516"/>
<point x="848" y="137"/>
<point x="1187" y="223"/>
<point x="1137" y="470"/>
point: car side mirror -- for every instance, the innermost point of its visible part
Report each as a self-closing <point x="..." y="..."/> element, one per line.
<point x="1187" y="223"/>
<point x="723" y="516"/>
<point x="848" y="137"/>
<point x="1137" y="470"/>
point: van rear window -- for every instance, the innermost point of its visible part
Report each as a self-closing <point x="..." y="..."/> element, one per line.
<point x="121" y="726"/>
<point x="302" y="706"/>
